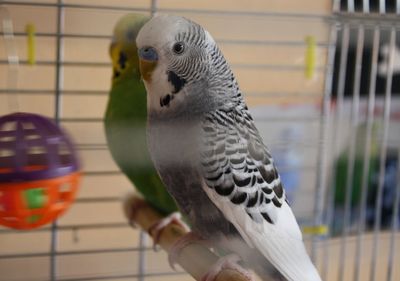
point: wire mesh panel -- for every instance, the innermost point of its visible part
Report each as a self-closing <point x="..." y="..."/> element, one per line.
<point x="363" y="198"/>
<point x="308" y="77"/>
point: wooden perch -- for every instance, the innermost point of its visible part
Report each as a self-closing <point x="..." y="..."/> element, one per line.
<point x="196" y="259"/>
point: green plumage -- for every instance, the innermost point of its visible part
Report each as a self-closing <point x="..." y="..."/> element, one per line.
<point x="341" y="167"/>
<point x="126" y="113"/>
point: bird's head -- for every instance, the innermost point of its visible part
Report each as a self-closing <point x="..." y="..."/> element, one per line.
<point x="178" y="59"/>
<point x="123" y="50"/>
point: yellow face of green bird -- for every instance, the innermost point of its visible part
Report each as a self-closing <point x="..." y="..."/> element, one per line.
<point x="123" y="50"/>
<point x="121" y="61"/>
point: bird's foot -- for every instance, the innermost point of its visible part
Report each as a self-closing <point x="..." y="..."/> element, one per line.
<point x="227" y="262"/>
<point x="177" y="247"/>
<point x="131" y="206"/>
<point x="156" y="229"/>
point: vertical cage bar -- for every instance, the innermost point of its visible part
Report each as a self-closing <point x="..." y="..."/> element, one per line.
<point x="383" y="151"/>
<point x="12" y="57"/>
<point x="352" y="150"/>
<point x="367" y="154"/>
<point x="142" y="235"/>
<point x="366" y="8"/>
<point x="344" y="48"/>
<point x="395" y="223"/>
<point x="350" y="6"/>
<point x="397" y="6"/>
<point x="382" y="6"/>
<point x="322" y="147"/>
<point x="57" y="116"/>
<point x="336" y="6"/>
<point x="142" y="256"/>
<point x="53" y="252"/>
<point x="153" y="7"/>
<point x="59" y="58"/>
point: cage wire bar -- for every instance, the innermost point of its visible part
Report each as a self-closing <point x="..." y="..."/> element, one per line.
<point x="337" y="120"/>
<point x="395" y="226"/>
<point x="352" y="150"/>
<point x="322" y="153"/>
<point x="142" y="234"/>
<point x="12" y="56"/>
<point x="58" y="107"/>
<point x="367" y="153"/>
<point x="383" y="153"/>
<point x="341" y="24"/>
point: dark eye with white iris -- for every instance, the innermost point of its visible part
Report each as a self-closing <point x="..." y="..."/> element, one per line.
<point x="178" y="48"/>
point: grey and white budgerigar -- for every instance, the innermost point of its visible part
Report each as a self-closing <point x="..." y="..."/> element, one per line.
<point x="207" y="150"/>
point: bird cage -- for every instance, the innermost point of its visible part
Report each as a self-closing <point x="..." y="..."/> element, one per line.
<point x="321" y="79"/>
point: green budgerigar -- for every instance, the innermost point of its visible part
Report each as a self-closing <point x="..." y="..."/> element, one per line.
<point x="126" y="114"/>
<point x="356" y="185"/>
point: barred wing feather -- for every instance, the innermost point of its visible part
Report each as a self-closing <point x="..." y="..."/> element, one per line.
<point x="241" y="180"/>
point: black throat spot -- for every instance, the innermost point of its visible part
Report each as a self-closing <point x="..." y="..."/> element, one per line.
<point x="116" y="73"/>
<point x="123" y="58"/>
<point x="165" y="100"/>
<point x="176" y="81"/>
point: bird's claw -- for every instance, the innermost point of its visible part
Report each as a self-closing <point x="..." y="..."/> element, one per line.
<point x="227" y="262"/>
<point x="131" y="206"/>
<point x="181" y="243"/>
<point x="156" y="229"/>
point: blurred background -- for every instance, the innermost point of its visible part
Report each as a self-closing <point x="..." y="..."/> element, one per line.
<point x="321" y="78"/>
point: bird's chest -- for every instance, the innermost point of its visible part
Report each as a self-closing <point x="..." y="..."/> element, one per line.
<point x="174" y="142"/>
<point x="185" y="184"/>
<point x="175" y="150"/>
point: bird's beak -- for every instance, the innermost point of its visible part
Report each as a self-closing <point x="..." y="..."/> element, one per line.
<point x="148" y="59"/>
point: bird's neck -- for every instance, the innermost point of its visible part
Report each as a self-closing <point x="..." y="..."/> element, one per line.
<point x="128" y="99"/>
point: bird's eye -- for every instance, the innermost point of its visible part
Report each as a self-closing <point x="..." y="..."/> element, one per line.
<point x="178" y="48"/>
